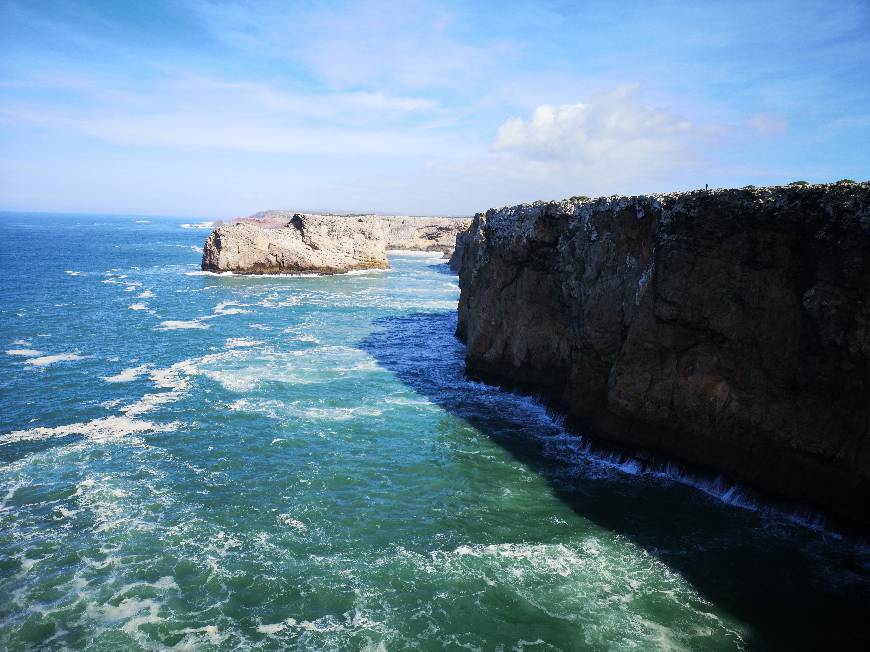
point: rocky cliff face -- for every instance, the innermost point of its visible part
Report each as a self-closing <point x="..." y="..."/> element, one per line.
<point x="279" y="242"/>
<point x="729" y="329"/>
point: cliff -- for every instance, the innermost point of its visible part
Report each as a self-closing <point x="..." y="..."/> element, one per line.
<point x="281" y="242"/>
<point x="729" y="329"/>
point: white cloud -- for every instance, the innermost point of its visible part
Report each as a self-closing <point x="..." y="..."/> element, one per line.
<point x="612" y="142"/>
<point x="605" y="128"/>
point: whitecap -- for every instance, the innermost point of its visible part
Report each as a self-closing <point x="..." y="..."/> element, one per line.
<point x="240" y="342"/>
<point x="288" y="520"/>
<point x="128" y="375"/>
<point x="46" y="360"/>
<point x="27" y="353"/>
<point x="224" y="308"/>
<point x="103" y="429"/>
<point x="197" y="225"/>
<point x="146" y="294"/>
<point x="172" y="325"/>
<point x="73" y="273"/>
<point x="138" y="306"/>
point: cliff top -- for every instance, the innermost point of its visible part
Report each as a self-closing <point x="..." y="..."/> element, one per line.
<point x="275" y="219"/>
<point x="745" y="194"/>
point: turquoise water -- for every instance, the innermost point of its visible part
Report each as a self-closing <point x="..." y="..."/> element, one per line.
<point x="207" y="462"/>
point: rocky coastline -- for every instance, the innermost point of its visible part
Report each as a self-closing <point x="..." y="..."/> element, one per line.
<point x="282" y="242"/>
<point x="728" y="329"/>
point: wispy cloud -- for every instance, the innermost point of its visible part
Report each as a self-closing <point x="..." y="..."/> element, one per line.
<point x="409" y="44"/>
<point x="767" y="124"/>
<point x="419" y="106"/>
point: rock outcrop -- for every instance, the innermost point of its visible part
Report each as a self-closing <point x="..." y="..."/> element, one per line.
<point x="276" y="242"/>
<point x="727" y="328"/>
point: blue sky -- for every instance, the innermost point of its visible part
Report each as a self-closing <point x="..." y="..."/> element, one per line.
<point x="199" y="107"/>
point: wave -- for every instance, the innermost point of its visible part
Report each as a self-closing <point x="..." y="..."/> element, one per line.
<point x="128" y="375"/>
<point x="45" y="360"/>
<point x="146" y="294"/>
<point x="138" y="306"/>
<point x="352" y="272"/>
<point x="26" y="353"/>
<point x="174" y="325"/>
<point x="241" y="342"/>
<point x="224" y="308"/>
<point x="103" y="429"/>
<point x="198" y="225"/>
<point x="72" y="273"/>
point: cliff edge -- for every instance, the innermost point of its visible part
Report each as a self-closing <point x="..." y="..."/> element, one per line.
<point x="727" y="328"/>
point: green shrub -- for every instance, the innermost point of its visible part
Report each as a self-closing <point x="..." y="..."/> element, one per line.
<point x="579" y="198"/>
<point x="847" y="181"/>
<point x="799" y="183"/>
<point x="749" y="187"/>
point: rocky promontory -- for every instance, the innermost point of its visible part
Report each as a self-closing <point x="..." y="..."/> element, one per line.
<point x="729" y="329"/>
<point x="280" y="242"/>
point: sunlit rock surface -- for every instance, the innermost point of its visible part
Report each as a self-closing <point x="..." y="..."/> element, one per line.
<point x="281" y="242"/>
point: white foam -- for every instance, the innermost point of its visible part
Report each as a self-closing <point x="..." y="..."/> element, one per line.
<point x="27" y="353"/>
<point x="20" y="343"/>
<point x="128" y="375"/>
<point x="205" y="273"/>
<point x="46" y="360"/>
<point x="240" y="342"/>
<point x="305" y="337"/>
<point x="138" y="306"/>
<point x="146" y="294"/>
<point x="174" y="325"/>
<point x="104" y="429"/>
<point x="143" y="221"/>
<point x="72" y="273"/>
<point x="224" y="308"/>
<point x="197" y="225"/>
<point x="288" y="520"/>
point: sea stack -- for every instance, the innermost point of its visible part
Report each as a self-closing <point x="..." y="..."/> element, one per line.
<point x="279" y="242"/>
<point x="729" y="329"/>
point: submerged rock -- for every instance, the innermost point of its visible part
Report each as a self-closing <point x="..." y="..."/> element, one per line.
<point x="276" y="242"/>
<point x="726" y="328"/>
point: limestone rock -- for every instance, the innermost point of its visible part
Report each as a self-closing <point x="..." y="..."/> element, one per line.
<point x="727" y="328"/>
<point x="315" y="244"/>
<point x="281" y="242"/>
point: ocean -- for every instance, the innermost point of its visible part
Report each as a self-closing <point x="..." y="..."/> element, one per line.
<point x="218" y="462"/>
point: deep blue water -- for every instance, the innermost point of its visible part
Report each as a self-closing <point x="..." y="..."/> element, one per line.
<point x="220" y="462"/>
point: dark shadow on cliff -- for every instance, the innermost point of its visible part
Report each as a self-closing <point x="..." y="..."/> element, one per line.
<point x="796" y="588"/>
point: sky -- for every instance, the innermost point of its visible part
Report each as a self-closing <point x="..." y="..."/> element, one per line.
<point x="224" y="108"/>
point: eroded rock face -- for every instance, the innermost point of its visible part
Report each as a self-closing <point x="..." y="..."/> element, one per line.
<point x="729" y="329"/>
<point x="279" y="242"/>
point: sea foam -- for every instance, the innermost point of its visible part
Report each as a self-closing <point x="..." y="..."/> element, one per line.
<point x="45" y="360"/>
